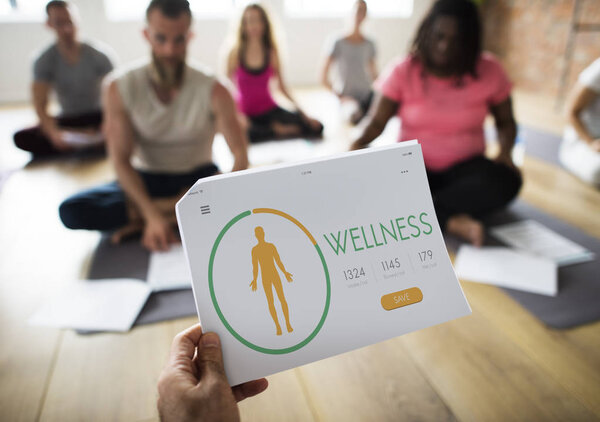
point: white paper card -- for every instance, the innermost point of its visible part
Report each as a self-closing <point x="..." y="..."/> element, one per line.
<point x="295" y="263"/>
<point x="507" y="268"/>
<point x="98" y="305"/>
<point x="82" y="139"/>
<point x="169" y="270"/>
<point x="535" y="238"/>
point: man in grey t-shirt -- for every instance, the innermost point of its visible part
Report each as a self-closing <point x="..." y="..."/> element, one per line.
<point x="74" y="71"/>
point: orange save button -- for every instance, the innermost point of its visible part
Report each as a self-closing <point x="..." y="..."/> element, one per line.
<point x="401" y="298"/>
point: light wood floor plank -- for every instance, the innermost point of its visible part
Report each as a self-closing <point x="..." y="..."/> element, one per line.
<point x="587" y="339"/>
<point x="484" y="376"/>
<point x="34" y="262"/>
<point x="575" y="371"/>
<point x="500" y="364"/>
<point x="375" y="383"/>
<point x="112" y="376"/>
<point x="562" y="195"/>
<point x="284" y="400"/>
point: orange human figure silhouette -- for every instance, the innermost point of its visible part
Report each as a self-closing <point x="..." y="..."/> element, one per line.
<point x="266" y="255"/>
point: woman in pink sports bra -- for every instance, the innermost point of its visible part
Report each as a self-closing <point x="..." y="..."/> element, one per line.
<point x="252" y="63"/>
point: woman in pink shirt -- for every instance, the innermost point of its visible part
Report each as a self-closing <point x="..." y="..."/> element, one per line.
<point x="442" y="93"/>
<point x="251" y="65"/>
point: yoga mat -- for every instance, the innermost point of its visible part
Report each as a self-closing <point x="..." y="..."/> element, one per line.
<point x="93" y="153"/>
<point x="578" y="299"/>
<point x="538" y="143"/>
<point x="577" y="302"/>
<point x="130" y="260"/>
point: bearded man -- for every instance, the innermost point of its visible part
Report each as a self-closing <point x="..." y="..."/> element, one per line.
<point x="160" y="120"/>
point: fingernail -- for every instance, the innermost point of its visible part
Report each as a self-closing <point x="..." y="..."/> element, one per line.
<point x="210" y="340"/>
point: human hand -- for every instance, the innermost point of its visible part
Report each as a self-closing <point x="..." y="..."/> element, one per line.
<point x="595" y="145"/>
<point x="193" y="385"/>
<point x="158" y="234"/>
<point x="288" y="277"/>
<point x="253" y="285"/>
<point x="126" y="231"/>
<point x="355" y="146"/>
<point x="56" y="137"/>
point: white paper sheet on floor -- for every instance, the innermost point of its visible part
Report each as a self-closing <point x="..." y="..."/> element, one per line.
<point x="507" y="267"/>
<point x="82" y="139"/>
<point x="535" y="238"/>
<point x="95" y="305"/>
<point x="169" y="270"/>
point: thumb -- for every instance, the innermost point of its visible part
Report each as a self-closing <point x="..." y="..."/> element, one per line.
<point x="210" y="357"/>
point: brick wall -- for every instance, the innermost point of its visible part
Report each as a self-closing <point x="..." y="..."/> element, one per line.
<point x="530" y="37"/>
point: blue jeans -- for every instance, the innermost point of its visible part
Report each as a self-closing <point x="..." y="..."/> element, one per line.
<point x="104" y="207"/>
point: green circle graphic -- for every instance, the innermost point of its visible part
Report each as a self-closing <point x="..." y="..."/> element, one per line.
<point x="226" y="323"/>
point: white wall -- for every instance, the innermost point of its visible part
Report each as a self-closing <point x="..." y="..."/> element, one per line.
<point x="303" y="43"/>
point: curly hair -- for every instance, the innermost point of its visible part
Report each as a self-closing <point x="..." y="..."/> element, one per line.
<point x="469" y="36"/>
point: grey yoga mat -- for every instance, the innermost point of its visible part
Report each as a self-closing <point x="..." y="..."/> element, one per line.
<point x="130" y="260"/>
<point x="577" y="302"/>
<point x="538" y="143"/>
<point x="578" y="299"/>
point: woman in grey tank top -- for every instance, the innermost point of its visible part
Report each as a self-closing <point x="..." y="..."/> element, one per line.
<point x="354" y="58"/>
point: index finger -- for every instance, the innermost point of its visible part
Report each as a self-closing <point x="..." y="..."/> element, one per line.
<point x="162" y="240"/>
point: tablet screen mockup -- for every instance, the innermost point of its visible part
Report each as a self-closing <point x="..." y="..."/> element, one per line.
<point x="295" y="263"/>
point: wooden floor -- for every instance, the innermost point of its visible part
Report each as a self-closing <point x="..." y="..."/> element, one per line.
<point x="499" y="364"/>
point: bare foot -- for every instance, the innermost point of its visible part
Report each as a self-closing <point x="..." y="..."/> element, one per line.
<point x="278" y="331"/>
<point x="357" y="116"/>
<point x="466" y="227"/>
<point x="289" y="328"/>
<point x="314" y="124"/>
<point x="281" y="129"/>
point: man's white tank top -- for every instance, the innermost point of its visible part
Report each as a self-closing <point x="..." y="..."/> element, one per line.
<point x="170" y="138"/>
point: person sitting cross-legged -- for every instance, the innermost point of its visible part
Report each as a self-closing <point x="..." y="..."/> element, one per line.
<point x="161" y="118"/>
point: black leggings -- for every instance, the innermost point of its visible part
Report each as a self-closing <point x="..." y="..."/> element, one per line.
<point x="35" y="141"/>
<point x="366" y="103"/>
<point x="261" y="126"/>
<point x="475" y="187"/>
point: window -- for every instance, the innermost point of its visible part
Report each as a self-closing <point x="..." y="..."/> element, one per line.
<point x="23" y="10"/>
<point x="340" y="8"/>
<point x="127" y="10"/>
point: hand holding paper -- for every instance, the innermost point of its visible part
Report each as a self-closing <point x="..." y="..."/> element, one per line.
<point x="194" y="383"/>
<point x="376" y="247"/>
